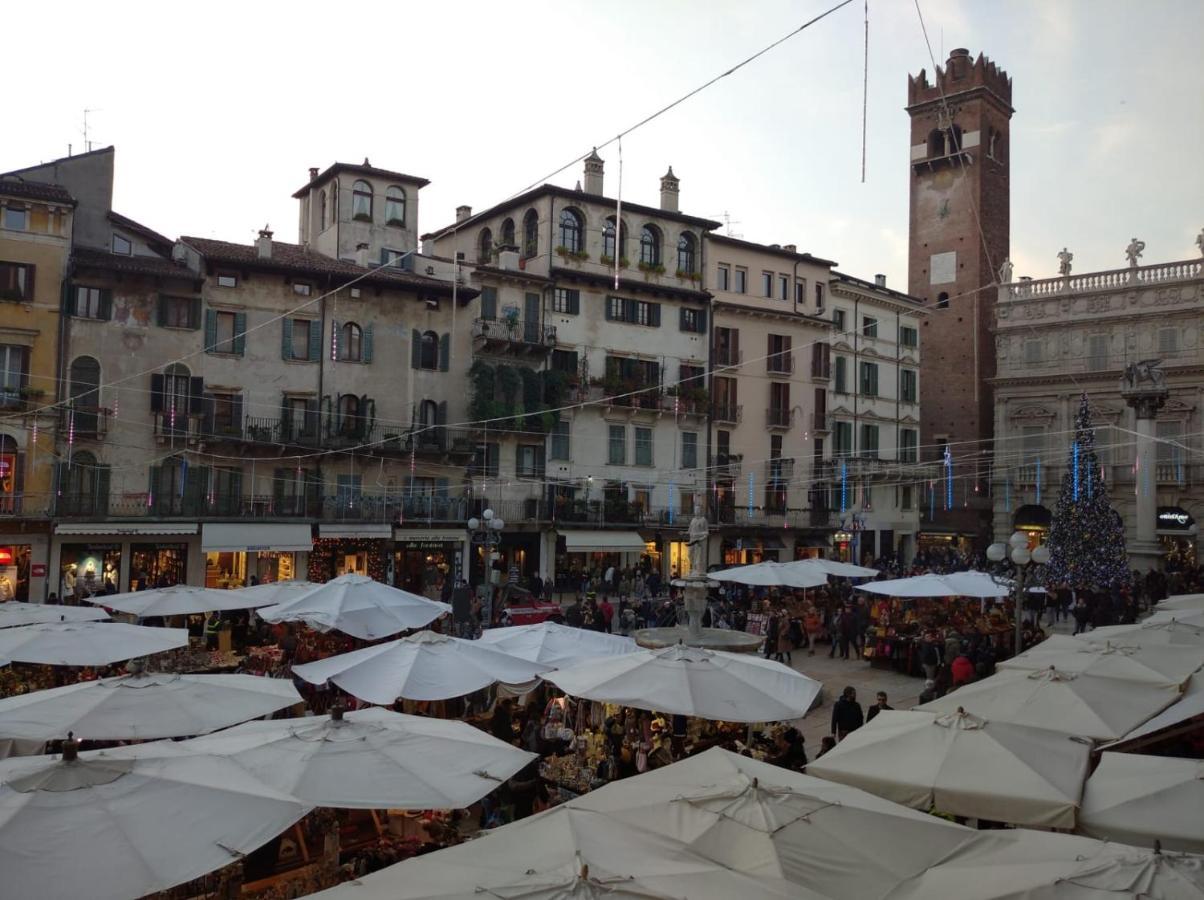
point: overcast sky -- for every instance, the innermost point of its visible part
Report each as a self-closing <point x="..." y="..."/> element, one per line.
<point x="218" y="110"/>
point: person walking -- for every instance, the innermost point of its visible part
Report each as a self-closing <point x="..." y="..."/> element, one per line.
<point x="785" y="643"/>
<point x="880" y="705"/>
<point x="771" y="638"/>
<point x="847" y="716"/>
<point x="1081" y="614"/>
<point x="606" y="614"/>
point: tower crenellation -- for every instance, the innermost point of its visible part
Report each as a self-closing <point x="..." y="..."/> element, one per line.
<point x="959" y="74"/>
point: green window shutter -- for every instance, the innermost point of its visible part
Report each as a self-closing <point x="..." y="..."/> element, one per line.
<point x="106" y="305"/>
<point x="161" y="311"/>
<point x="574" y="304"/>
<point x="286" y="338"/>
<point x="156" y="397"/>
<point x="444" y="351"/>
<point x="194" y="312"/>
<point x="240" y="333"/>
<point x="210" y="329"/>
<point x="315" y="340"/>
<point x="366" y="344"/>
<point x="101" y="506"/>
<point x="489" y="303"/>
<point x="415" y="349"/>
<point x="654" y="315"/>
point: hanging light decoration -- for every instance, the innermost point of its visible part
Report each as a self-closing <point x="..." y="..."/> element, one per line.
<point x="1074" y="462"/>
<point x="844" y="486"/>
<point x="751" y="489"/>
<point x="948" y="477"/>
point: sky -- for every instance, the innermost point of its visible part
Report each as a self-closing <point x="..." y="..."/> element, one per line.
<point x="218" y="111"/>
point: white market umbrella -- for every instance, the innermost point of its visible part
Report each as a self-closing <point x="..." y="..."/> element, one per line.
<point x="276" y="592"/>
<point x="1139" y="799"/>
<point x="359" y="606"/>
<point x="565" y="854"/>
<point x="833" y="567"/>
<point x="1148" y="634"/>
<point x="1181" y="601"/>
<point x="143" y="706"/>
<point x="1183" y="616"/>
<point x="955" y="584"/>
<point x="422" y="666"/>
<point x="689" y="681"/>
<point x="1022" y="864"/>
<point x="178" y="600"/>
<point x="771" y="574"/>
<point x="556" y="645"/>
<point x="963" y="765"/>
<point x="757" y="818"/>
<point x="1102" y="709"/>
<point x="111" y="828"/>
<point x="1190" y="705"/>
<point x="15" y="614"/>
<point x="370" y="759"/>
<point x="86" y="643"/>
<point x="1166" y="666"/>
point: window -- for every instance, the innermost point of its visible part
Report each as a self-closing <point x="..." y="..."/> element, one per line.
<point x="838" y="320"/>
<point x="122" y="246"/>
<point x="429" y="351"/>
<point x="571" y="230"/>
<point x="840" y="378"/>
<point x="348" y="492"/>
<point x="395" y="206"/>
<point x="767" y="284"/>
<point x="227" y="327"/>
<point x="650" y="246"/>
<point x="869" y="326"/>
<point x="321" y="210"/>
<point x="741" y="281"/>
<point x="485" y="459"/>
<point x="16" y="281"/>
<point x="16" y="219"/>
<point x="1032" y="351"/>
<point x="907" y="385"/>
<point x="508" y="234"/>
<point x="85" y="394"/>
<point x="1168" y="340"/>
<point x="725" y="277"/>
<point x="779" y="404"/>
<point x="690" y="378"/>
<point x="908" y="445"/>
<point x="819" y="296"/>
<point x="693" y="320"/>
<point x="227" y="281"/>
<point x="685" y="253"/>
<point x="301" y="339"/>
<point x="301" y="289"/>
<point x="485" y="246"/>
<point x="361" y="201"/>
<point x="529" y="461"/>
<point x="616" y="445"/>
<point x="351" y="342"/>
<point x="349" y="412"/>
<point x="869" y="441"/>
<point x="179" y="312"/>
<point x="1032" y="442"/>
<point x="565" y="361"/>
<point x="176" y="399"/>
<point x="783" y="287"/>
<point x="906" y="497"/>
<point x="727" y="346"/>
<point x="726" y="407"/>
<point x="800" y="291"/>
<point x="566" y="300"/>
<point x="1097" y="352"/>
<point x="91" y="302"/>
<point x="224" y="414"/>
<point x="635" y="312"/>
<point x="842" y="438"/>
<point x="609" y="246"/>
<point x="643" y="446"/>
<point x="561" y="442"/>
<point x="779" y="360"/>
<point x="942" y="300"/>
<point x="488" y="303"/>
<point x="936" y="143"/>
<point x="14" y="373"/>
<point x="821" y="361"/>
<point x="689" y="450"/>
<point x="869" y="379"/>
<point x="530" y="234"/>
<point x="908" y="336"/>
<point x="1167" y="452"/>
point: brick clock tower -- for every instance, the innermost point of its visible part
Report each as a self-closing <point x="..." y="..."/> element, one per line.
<point x="959" y="240"/>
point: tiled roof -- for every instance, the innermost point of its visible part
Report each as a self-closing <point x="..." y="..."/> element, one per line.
<point x="150" y="235"/>
<point x="297" y="259"/>
<point x="14" y="186"/>
<point x="155" y="266"/>
<point x="770" y="248"/>
<point x="370" y="171"/>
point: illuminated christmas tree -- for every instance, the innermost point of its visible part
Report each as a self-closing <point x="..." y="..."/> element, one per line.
<point x="1087" y="536"/>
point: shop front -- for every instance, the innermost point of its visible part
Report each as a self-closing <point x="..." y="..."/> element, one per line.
<point x="1177" y="535"/>
<point x="588" y="554"/>
<point x="424" y="559"/>
<point x="238" y="554"/>
<point x="24" y="551"/>
<point x="1033" y="520"/>
<point x="90" y="559"/>
<point x="747" y="549"/>
<point x="810" y="546"/>
<point x="351" y="549"/>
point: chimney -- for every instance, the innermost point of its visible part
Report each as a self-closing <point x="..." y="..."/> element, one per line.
<point x="463" y="212"/>
<point x="593" y="173"/>
<point x="880" y="280"/>
<point x="313" y="172"/>
<point x="263" y="245"/>
<point x="361" y="254"/>
<point x="958" y="63"/>
<point x="790" y="248"/>
<point x="507" y="258"/>
<point x="669" y="188"/>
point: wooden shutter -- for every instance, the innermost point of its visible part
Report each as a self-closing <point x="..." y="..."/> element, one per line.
<point x="366" y="344"/>
<point x="210" y="329"/>
<point x="100" y="506"/>
<point x="196" y="394"/>
<point x="311" y="419"/>
<point x="315" y="340"/>
<point x="444" y="351"/>
<point x="489" y="303"/>
<point x="105" y="307"/>
<point x="161" y="311"/>
<point x="286" y="338"/>
<point x="415" y="349"/>
<point x="240" y="333"/>
<point x="654" y="315"/>
<point x="236" y="414"/>
<point x="574" y="305"/>
<point x="207" y="415"/>
<point x="156" y="396"/>
<point x="194" y="312"/>
<point x="734" y="333"/>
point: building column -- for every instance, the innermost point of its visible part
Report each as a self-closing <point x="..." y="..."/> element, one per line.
<point x="1146" y="396"/>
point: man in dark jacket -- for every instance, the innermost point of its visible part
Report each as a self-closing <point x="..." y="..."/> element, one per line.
<point x="847" y="716"/>
<point x="877" y="707"/>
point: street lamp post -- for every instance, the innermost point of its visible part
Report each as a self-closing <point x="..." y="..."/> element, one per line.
<point x="1016" y="549"/>
<point x="486" y="532"/>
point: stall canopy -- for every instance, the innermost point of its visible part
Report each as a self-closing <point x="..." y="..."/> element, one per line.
<point x="253" y="536"/>
<point x="556" y="645"/>
<point x="1147" y="634"/>
<point x="1168" y="667"/>
<point x="13" y="614"/>
<point x="86" y="643"/>
<point x="1183" y="713"/>
<point x="1137" y="800"/>
<point x="353" y="604"/>
<point x="178" y="600"/>
<point x="603" y="542"/>
<point x="955" y="584"/>
<point x="772" y="574"/>
<point x="1181" y="601"/>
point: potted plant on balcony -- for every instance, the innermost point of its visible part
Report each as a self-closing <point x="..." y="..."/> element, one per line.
<point x="686" y="275"/>
<point x="650" y="269"/>
<point x="510" y="318"/>
<point x="578" y="256"/>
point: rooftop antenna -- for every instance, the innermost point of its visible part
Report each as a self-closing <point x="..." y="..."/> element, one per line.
<point x="87" y="143"/>
<point x="728" y="222"/>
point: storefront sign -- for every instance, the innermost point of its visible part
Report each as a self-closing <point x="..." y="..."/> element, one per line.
<point x="6" y="556"/>
<point x="1174" y="518"/>
<point x="37" y="570"/>
<point x="423" y="545"/>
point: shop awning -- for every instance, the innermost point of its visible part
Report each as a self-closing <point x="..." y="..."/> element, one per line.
<point x="126" y="528"/>
<point x="810" y="541"/>
<point x="1032" y="516"/>
<point x="430" y="536"/>
<point x="252" y="536"/>
<point x="603" y="542"/>
<point x="353" y="531"/>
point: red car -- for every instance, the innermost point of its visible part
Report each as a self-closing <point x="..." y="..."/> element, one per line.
<point x="524" y="607"/>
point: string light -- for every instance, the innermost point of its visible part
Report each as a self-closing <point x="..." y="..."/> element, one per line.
<point x="751" y="482"/>
<point x="672" y="500"/>
<point x="1074" y="456"/>
<point x="844" y="486"/>
<point x="948" y="478"/>
<point x="1038" y="481"/>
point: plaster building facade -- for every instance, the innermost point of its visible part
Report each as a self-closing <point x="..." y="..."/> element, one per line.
<point x="1058" y="338"/>
<point x="959" y="239"/>
<point x="769" y="441"/>
<point x="879" y="481"/>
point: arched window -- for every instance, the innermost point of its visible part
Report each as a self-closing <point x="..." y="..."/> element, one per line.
<point x="428" y="357"/>
<point x="485" y="251"/>
<point x="936" y="143"/>
<point x="508" y="233"/>
<point x="942" y="300"/>
<point x="428" y="413"/>
<point x="176" y="396"/>
<point x="395" y="206"/>
<point x="609" y="244"/>
<point x="81" y="485"/>
<point x="349" y="414"/>
<point x="530" y="234"/>
<point x="85" y="394"/>
<point x="351" y="342"/>
<point x="361" y="201"/>
<point x="685" y="253"/>
<point x="321" y="210"/>
<point x="571" y="229"/>
<point x="650" y="246"/>
<point x="955" y="138"/>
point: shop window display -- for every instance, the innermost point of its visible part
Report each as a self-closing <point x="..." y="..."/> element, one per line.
<point x="422" y="567"/>
<point x="158" y="565"/>
<point x="14" y="573"/>
<point x="88" y="570"/>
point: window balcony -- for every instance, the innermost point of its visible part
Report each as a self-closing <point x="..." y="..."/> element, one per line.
<point x="778" y="417"/>
<point x="727" y="357"/>
<point x="727" y="465"/>
<point x="780" y="363"/>
<point x="84" y="422"/>
<point x="512" y="336"/>
<point x="728" y="413"/>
